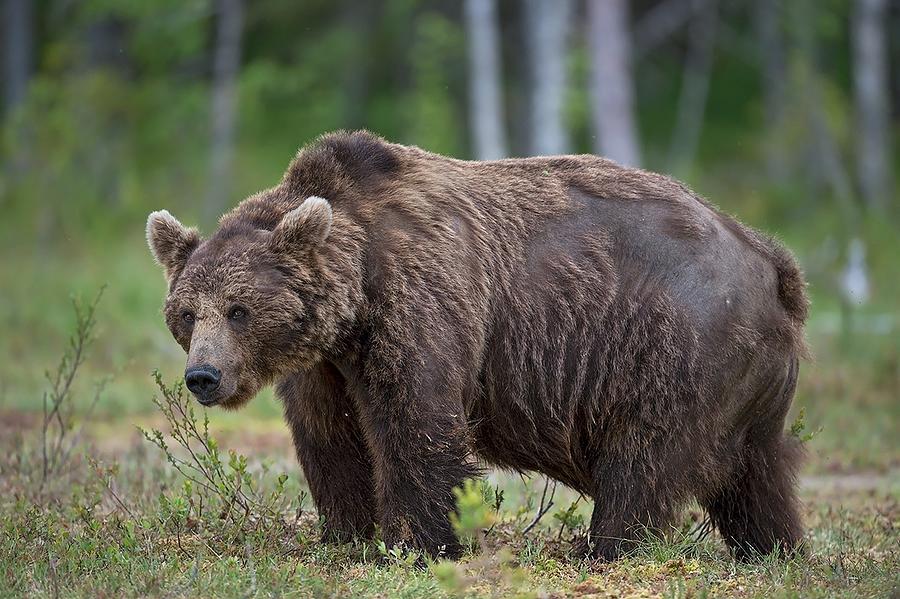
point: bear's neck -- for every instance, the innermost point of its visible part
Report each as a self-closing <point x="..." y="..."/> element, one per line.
<point x="342" y="265"/>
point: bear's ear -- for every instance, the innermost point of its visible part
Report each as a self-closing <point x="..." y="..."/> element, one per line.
<point x="171" y="243"/>
<point x="303" y="228"/>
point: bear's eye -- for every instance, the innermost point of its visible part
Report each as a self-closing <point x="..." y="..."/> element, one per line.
<point x="188" y="317"/>
<point x="237" y="313"/>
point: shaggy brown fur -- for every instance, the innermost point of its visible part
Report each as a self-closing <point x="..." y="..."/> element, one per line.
<point x="601" y="325"/>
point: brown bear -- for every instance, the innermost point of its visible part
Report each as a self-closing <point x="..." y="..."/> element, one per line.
<point x="422" y="316"/>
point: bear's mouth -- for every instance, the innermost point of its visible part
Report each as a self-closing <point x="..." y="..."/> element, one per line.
<point x="237" y="398"/>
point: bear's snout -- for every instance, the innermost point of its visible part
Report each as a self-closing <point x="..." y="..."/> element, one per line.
<point x="202" y="382"/>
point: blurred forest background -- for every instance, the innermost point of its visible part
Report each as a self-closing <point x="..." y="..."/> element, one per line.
<point x="784" y="113"/>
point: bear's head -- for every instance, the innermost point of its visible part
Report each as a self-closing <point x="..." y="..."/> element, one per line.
<point x="248" y="305"/>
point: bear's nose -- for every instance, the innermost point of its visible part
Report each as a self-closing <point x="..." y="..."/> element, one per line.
<point x="202" y="380"/>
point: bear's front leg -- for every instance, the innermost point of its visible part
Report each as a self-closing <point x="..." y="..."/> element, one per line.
<point x="332" y="451"/>
<point x="415" y="426"/>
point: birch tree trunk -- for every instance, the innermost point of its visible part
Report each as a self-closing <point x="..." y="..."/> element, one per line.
<point x="485" y="80"/>
<point x="547" y="24"/>
<point x="658" y="24"/>
<point x="226" y="64"/>
<point x="694" y="85"/>
<point x="17" y="50"/>
<point x="824" y="158"/>
<point x="769" y="17"/>
<point x="871" y="96"/>
<point x="612" y="81"/>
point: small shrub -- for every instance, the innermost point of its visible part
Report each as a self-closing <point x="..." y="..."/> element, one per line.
<point x="473" y="515"/>
<point x="218" y="494"/>
<point x="44" y="468"/>
<point x="569" y="518"/>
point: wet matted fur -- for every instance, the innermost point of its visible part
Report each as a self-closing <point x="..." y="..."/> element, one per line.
<point x="421" y="315"/>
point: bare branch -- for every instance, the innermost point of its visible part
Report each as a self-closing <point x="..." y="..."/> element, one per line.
<point x="544" y="507"/>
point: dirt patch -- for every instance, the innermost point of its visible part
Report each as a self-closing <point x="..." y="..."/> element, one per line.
<point x="271" y="439"/>
<point x="855" y="482"/>
<point x="14" y="422"/>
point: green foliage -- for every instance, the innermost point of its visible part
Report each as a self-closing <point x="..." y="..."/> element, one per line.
<point x="569" y="518"/>
<point x="798" y="427"/>
<point x="435" y="115"/>
<point x="398" y="556"/>
<point x="473" y="513"/>
<point x="116" y="121"/>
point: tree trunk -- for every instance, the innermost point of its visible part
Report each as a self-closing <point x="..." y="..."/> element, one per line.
<point x="871" y="95"/>
<point x="485" y="80"/>
<point x="360" y="19"/>
<point x="547" y="25"/>
<point x="17" y="50"/>
<point x="774" y="76"/>
<point x="226" y="64"/>
<point x="659" y="24"/>
<point x="694" y="85"/>
<point x="612" y="81"/>
<point x="825" y="163"/>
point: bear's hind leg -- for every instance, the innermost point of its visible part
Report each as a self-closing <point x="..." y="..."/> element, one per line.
<point x="758" y="511"/>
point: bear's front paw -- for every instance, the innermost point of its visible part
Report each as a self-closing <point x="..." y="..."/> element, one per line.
<point x="344" y="532"/>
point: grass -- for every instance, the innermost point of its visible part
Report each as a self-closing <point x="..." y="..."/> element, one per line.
<point x="120" y="519"/>
<point x="126" y="523"/>
<point x="35" y="318"/>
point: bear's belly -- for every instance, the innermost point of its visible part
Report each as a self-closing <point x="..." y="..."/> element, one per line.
<point x="563" y="383"/>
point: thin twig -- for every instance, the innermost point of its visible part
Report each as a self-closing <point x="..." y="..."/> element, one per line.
<point x="57" y="445"/>
<point x="543" y="508"/>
